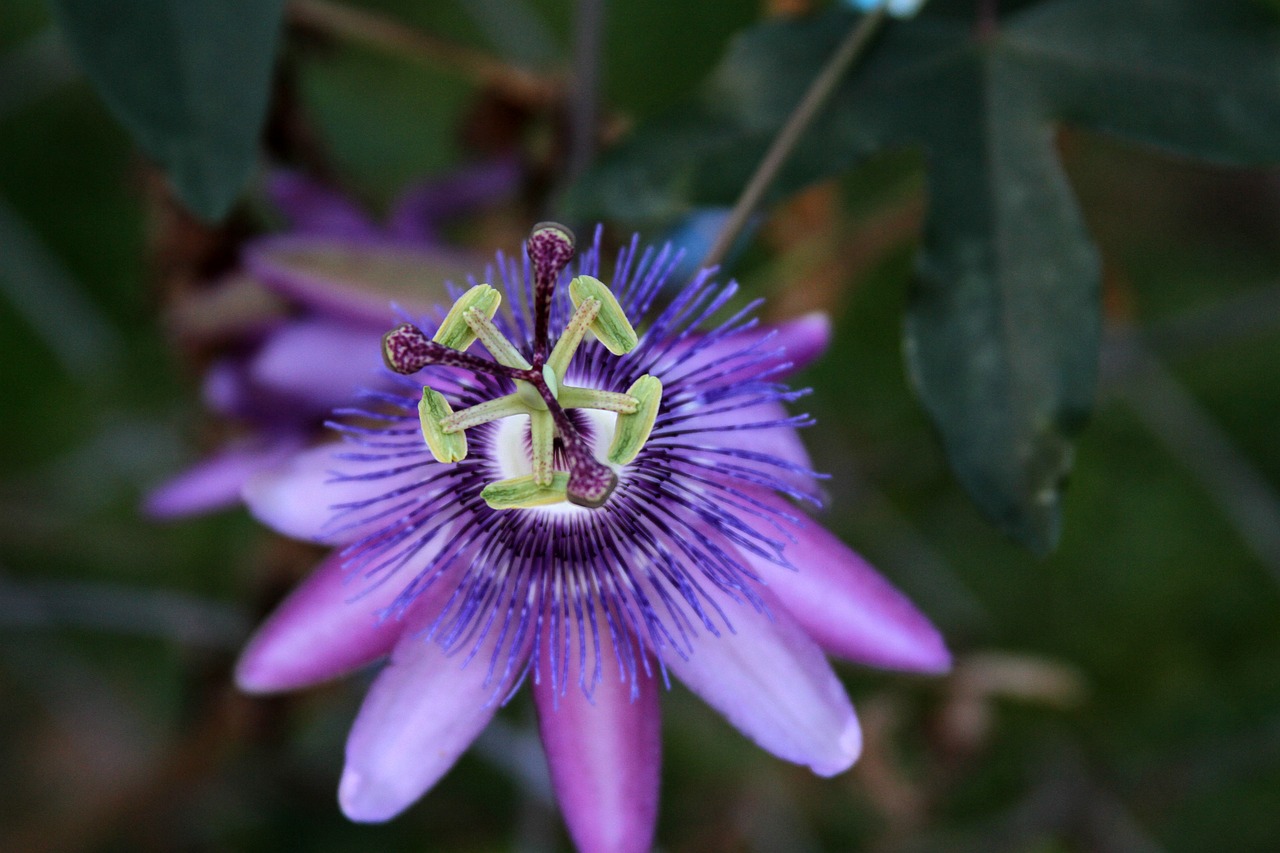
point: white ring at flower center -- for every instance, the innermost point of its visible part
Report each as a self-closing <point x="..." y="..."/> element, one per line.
<point x="511" y="453"/>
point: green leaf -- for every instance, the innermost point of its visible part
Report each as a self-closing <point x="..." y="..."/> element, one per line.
<point x="1002" y="329"/>
<point x="189" y="80"/>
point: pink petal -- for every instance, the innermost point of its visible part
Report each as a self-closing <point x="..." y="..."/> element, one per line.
<point x="805" y="338"/>
<point x="604" y="755"/>
<point x="774" y="684"/>
<point x="780" y="442"/>
<point x="214" y="483"/>
<point x="299" y="496"/>
<point x="423" y="710"/>
<point x="845" y="605"/>
<point x="420" y="212"/>
<point x="324" y="629"/>
<point x="357" y="280"/>
<point x="321" y="363"/>
<point x="313" y="208"/>
<point x="800" y="341"/>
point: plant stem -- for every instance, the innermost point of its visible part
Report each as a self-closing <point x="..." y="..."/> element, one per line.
<point x="370" y="28"/>
<point x="820" y="90"/>
<point x="588" y="37"/>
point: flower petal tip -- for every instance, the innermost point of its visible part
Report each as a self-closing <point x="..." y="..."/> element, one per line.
<point x="364" y="802"/>
<point x="921" y="650"/>
<point x="260" y="670"/>
<point x="806" y="338"/>
<point x="848" y="749"/>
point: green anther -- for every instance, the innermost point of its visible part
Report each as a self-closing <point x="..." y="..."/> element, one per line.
<point x="574" y="330"/>
<point x="432" y="411"/>
<point x="455" y="332"/>
<point x="502" y="350"/>
<point x="542" y="435"/>
<point x="482" y="413"/>
<point x="610" y="326"/>
<point x="633" y="430"/>
<point x="572" y="397"/>
<point x="523" y="492"/>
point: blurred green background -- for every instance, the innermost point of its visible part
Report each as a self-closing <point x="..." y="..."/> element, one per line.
<point x="1123" y="694"/>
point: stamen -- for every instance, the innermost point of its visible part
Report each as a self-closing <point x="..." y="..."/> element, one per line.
<point x="611" y="326"/>
<point x="542" y="436"/>
<point x="456" y="332"/>
<point x="539" y="389"/>
<point x="524" y="492"/>
<point x="550" y="248"/>
<point x="502" y="350"/>
<point x="583" y="316"/>
<point x="483" y="413"/>
<point x="432" y="411"/>
<point x="589" y="398"/>
<point x="632" y="430"/>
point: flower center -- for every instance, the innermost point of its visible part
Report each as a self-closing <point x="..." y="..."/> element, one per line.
<point x="562" y="461"/>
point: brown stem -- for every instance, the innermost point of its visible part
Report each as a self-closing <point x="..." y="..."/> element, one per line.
<point x="820" y="90"/>
<point x="370" y="28"/>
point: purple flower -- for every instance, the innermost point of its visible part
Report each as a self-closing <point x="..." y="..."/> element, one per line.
<point x="592" y="513"/>
<point x="339" y="271"/>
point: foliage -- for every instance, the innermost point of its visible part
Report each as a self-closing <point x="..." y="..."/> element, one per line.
<point x="1002" y="332"/>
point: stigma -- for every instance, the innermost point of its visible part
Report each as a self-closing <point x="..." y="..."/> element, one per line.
<point x="541" y="393"/>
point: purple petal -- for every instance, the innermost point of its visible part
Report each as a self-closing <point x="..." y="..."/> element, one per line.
<point x="325" y="628"/>
<point x="783" y="442"/>
<point x="299" y="497"/>
<point x="226" y="390"/>
<point x="423" y="710"/>
<point x="313" y="208"/>
<point x="805" y="338"/>
<point x="845" y="605"/>
<point x="604" y="755"/>
<point x="357" y="280"/>
<point x="214" y="483"/>
<point x="774" y="684"/>
<point x="319" y="364"/>
<point x="420" y="211"/>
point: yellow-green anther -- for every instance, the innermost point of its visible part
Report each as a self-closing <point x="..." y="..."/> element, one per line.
<point x="583" y="316"/>
<point x="633" y="430"/>
<point x="611" y="327"/>
<point x="523" y="492"/>
<point x="542" y="435"/>
<point x="482" y="413"/>
<point x="502" y="350"/>
<point x="432" y="411"/>
<point x="455" y="332"/>
<point x="589" y="398"/>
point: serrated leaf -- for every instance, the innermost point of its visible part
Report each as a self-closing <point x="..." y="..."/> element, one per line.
<point x="189" y="80"/>
<point x="1002" y="329"/>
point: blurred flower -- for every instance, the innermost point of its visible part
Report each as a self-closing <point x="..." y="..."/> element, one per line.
<point x="596" y="515"/>
<point x="339" y="272"/>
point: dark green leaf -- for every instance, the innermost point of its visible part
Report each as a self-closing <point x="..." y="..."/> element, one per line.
<point x="1002" y="330"/>
<point x="189" y="80"/>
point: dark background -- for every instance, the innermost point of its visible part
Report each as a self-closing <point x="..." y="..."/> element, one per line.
<point x="1122" y="694"/>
